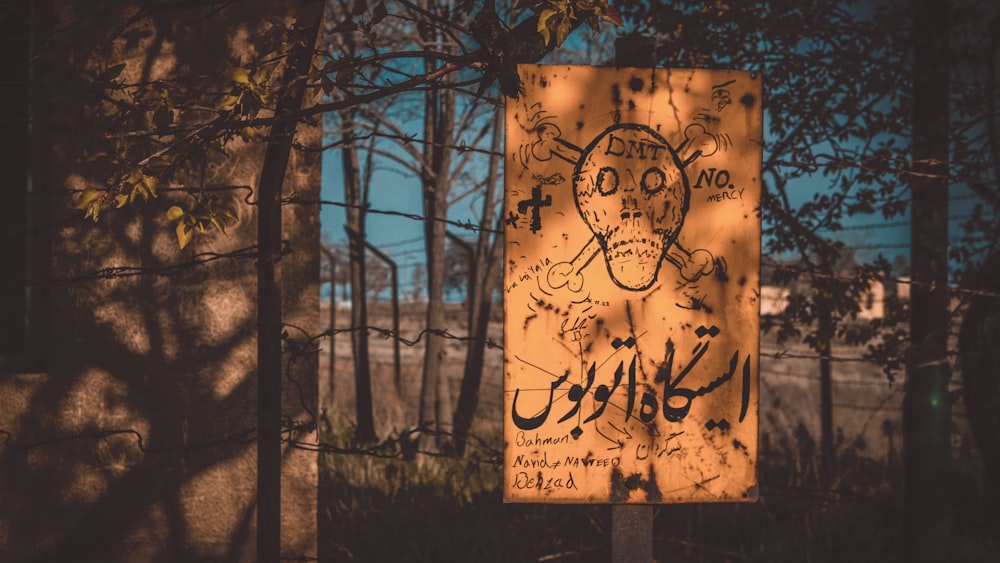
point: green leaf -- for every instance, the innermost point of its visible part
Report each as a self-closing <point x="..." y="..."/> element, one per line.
<point x="345" y="26"/>
<point x="345" y="75"/>
<point x="378" y="13"/>
<point x="326" y="84"/>
<point x="112" y="72"/>
<point x="163" y="117"/>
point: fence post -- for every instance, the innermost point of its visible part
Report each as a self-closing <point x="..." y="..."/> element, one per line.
<point x="331" y="371"/>
<point x="394" y="279"/>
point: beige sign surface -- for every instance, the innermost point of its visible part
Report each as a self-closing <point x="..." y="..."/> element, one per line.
<point x="631" y="280"/>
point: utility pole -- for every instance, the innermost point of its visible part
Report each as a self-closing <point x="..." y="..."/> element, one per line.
<point x="926" y="405"/>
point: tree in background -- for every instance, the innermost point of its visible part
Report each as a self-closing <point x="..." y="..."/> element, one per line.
<point x="161" y="135"/>
<point x="456" y="119"/>
<point x="849" y="141"/>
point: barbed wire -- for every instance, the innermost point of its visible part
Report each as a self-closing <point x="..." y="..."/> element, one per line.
<point x="402" y="445"/>
<point x="467" y="225"/>
<point x="391" y="334"/>
<point x="881" y="381"/>
<point x="167" y="270"/>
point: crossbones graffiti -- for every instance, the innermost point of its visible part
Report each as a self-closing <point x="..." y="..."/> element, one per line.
<point x="631" y="189"/>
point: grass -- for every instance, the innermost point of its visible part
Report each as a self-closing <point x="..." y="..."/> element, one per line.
<point x="451" y="510"/>
<point x="445" y="509"/>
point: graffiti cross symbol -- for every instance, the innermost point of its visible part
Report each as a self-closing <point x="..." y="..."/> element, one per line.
<point x="535" y="203"/>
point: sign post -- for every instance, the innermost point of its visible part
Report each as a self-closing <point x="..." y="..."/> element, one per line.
<point x="632" y="266"/>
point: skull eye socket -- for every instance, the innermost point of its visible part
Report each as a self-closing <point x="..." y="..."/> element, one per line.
<point x="607" y="181"/>
<point x="653" y="180"/>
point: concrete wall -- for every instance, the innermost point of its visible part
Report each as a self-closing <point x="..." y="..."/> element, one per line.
<point x="133" y="440"/>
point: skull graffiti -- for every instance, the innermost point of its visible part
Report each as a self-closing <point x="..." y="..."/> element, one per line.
<point x="631" y="191"/>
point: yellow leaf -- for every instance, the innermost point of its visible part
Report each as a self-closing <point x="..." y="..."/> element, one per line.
<point x="229" y="100"/>
<point x="240" y="75"/>
<point x="174" y="213"/>
<point x="108" y="109"/>
<point x="183" y="235"/>
<point x="543" y="23"/>
<point x="120" y="201"/>
<point x="265" y="71"/>
<point x="613" y="16"/>
<point x="150" y="182"/>
<point x="562" y="31"/>
<point x="218" y="225"/>
<point x="545" y="34"/>
<point x="88" y="197"/>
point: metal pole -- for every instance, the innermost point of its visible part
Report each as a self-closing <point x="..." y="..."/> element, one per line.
<point x="394" y="278"/>
<point x="632" y="524"/>
<point x="926" y="402"/>
<point x="331" y="370"/>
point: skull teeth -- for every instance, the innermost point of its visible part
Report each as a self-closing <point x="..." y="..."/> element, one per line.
<point x="652" y="243"/>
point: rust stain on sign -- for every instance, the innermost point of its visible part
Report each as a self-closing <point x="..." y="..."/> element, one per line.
<point x="631" y="275"/>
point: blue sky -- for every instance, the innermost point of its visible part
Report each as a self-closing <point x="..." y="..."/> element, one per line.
<point x="396" y="190"/>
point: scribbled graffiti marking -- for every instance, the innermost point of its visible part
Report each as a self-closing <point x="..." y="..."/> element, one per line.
<point x="536" y="202"/>
<point x="676" y="400"/>
<point x="631" y="270"/>
<point x="632" y="191"/>
<point x="721" y="96"/>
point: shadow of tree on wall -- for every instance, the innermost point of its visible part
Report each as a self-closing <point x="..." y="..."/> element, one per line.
<point x="138" y="443"/>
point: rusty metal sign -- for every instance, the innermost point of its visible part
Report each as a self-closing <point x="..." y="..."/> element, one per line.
<point x="632" y="290"/>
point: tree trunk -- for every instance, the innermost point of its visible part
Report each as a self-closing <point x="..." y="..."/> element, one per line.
<point x="480" y="301"/>
<point x="926" y="404"/>
<point x="365" y="432"/>
<point x="269" y="328"/>
<point x="435" y="403"/>
<point x="434" y="399"/>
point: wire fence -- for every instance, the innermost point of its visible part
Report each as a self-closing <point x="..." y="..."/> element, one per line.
<point x="867" y="407"/>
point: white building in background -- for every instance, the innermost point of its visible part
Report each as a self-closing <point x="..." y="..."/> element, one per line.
<point x="873" y="302"/>
<point x="774" y="300"/>
<point x="903" y="287"/>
